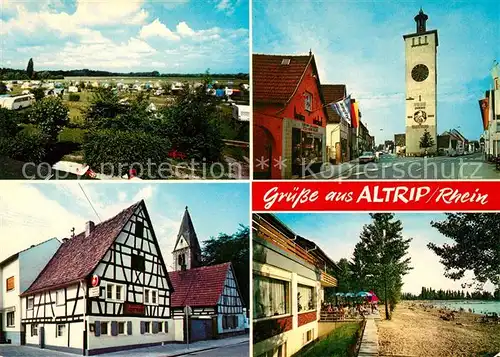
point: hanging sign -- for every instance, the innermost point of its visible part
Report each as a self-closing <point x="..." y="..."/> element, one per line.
<point x="95" y="281"/>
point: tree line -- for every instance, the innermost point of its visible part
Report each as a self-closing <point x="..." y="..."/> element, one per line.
<point x="432" y="294"/>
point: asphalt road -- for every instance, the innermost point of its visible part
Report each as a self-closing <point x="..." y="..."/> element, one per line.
<point x="241" y="349"/>
<point x="390" y="167"/>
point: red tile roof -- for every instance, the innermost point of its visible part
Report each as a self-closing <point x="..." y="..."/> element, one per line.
<point x="274" y="82"/>
<point x="78" y="257"/>
<point x="198" y="287"/>
<point x="333" y="93"/>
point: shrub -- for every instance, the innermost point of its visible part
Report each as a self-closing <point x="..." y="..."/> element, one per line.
<point x="39" y="93"/>
<point x="73" y="97"/>
<point x="8" y="123"/>
<point x="29" y="146"/>
<point x="73" y="135"/>
<point x="114" y="152"/>
<point x="51" y="115"/>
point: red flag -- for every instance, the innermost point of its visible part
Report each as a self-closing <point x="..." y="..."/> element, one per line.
<point x="485" y="111"/>
<point x="354" y="114"/>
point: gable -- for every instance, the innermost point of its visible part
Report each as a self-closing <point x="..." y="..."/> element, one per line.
<point x="136" y="242"/>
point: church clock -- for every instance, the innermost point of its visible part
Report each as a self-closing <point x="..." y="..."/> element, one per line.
<point x="420" y="72"/>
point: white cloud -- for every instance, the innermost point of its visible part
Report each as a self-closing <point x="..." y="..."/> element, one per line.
<point x="226" y="6"/>
<point x="109" y="12"/>
<point x="157" y="29"/>
<point x="170" y="4"/>
<point x="184" y="30"/>
<point x="144" y="193"/>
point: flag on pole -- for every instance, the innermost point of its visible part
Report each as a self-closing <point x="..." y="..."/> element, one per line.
<point x="484" y="106"/>
<point x="355" y="114"/>
<point x="343" y="108"/>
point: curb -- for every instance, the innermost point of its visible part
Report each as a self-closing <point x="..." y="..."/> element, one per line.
<point x="203" y="349"/>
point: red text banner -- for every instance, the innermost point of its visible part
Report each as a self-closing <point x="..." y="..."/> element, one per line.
<point x="376" y="196"/>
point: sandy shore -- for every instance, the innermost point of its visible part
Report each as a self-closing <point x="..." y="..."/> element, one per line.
<point x="418" y="331"/>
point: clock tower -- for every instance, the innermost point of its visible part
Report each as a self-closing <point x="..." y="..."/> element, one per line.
<point x="421" y="86"/>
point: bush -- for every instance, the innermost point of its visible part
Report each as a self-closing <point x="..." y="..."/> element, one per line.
<point x="113" y="152"/>
<point x="73" y="97"/>
<point x="73" y="135"/>
<point x="28" y="146"/>
<point x="51" y="115"/>
<point x="8" y="123"/>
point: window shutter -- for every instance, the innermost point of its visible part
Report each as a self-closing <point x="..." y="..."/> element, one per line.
<point x="129" y="327"/>
<point x="143" y="328"/>
<point x="155" y="326"/>
<point x="97" y="329"/>
<point x="114" y="328"/>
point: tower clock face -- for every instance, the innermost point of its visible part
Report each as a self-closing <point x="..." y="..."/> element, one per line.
<point x="420" y="72"/>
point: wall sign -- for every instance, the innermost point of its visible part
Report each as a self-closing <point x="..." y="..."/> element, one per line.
<point x="420" y="117"/>
<point x="95" y="280"/>
<point x="134" y="309"/>
<point x="94" y="291"/>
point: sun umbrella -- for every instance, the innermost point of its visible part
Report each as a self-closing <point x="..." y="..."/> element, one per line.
<point x="339" y="294"/>
<point x="363" y="294"/>
<point x="374" y="298"/>
<point x="349" y="295"/>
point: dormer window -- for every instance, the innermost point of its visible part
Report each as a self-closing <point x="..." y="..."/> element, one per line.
<point x="308" y="101"/>
<point x="285" y="61"/>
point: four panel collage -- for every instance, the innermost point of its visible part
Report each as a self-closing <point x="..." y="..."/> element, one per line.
<point x="359" y="163"/>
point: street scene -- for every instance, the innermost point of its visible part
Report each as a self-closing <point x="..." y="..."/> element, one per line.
<point x="124" y="273"/>
<point x="378" y="284"/>
<point x="337" y="100"/>
<point x="146" y="90"/>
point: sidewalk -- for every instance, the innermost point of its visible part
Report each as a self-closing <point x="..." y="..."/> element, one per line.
<point x="333" y="171"/>
<point x="179" y="349"/>
<point x="369" y="342"/>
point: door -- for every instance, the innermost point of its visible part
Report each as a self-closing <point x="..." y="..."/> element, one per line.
<point x="201" y="330"/>
<point x="338" y="153"/>
<point x="2" y="337"/>
<point x="41" y="337"/>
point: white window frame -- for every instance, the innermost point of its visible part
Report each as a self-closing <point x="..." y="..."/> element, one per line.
<point x="113" y="292"/>
<point x="149" y="293"/>
<point x="61" y="293"/>
<point x="308" y="98"/>
<point x="314" y="298"/>
<point x="32" y="299"/>
<point x="13" y="319"/>
<point x="108" y="328"/>
<point x="63" y="330"/>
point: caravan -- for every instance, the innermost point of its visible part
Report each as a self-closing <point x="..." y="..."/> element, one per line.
<point x="18" y="102"/>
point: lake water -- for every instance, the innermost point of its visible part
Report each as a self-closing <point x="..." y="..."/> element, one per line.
<point x="479" y="307"/>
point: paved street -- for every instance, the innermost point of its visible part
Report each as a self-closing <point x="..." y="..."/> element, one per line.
<point x="390" y="167"/>
<point x="228" y="347"/>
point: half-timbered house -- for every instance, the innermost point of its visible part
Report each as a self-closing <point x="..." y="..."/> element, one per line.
<point x="211" y="292"/>
<point x="105" y="289"/>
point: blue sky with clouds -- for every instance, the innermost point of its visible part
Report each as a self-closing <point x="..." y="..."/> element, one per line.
<point x="337" y="234"/>
<point x="360" y="44"/>
<point x="33" y="213"/>
<point x="181" y="36"/>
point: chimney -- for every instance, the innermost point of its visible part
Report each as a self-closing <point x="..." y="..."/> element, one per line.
<point x="89" y="228"/>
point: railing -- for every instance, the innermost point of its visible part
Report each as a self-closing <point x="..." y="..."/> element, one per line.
<point x="236" y="143"/>
<point x="328" y="279"/>
<point x="274" y="236"/>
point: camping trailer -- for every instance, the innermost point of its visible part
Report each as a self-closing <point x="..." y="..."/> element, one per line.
<point x="18" y="102"/>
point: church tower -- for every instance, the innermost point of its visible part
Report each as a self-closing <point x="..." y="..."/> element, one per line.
<point x="187" y="251"/>
<point x="421" y="85"/>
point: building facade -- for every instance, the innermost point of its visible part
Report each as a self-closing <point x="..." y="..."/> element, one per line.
<point x="290" y="274"/>
<point x="337" y="128"/>
<point x="210" y="293"/>
<point x="492" y="134"/>
<point x="289" y="116"/>
<point x="421" y="85"/>
<point x="17" y="273"/>
<point x="105" y="289"/>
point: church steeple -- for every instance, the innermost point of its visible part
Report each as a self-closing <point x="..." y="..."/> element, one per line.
<point x="421" y="20"/>
<point x="187" y="251"/>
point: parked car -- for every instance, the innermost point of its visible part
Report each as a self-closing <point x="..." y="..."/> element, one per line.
<point x="366" y="157"/>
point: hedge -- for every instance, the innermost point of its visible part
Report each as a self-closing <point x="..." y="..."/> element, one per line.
<point x="113" y="152"/>
<point x="73" y="97"/>
<point x="28" y="146"/>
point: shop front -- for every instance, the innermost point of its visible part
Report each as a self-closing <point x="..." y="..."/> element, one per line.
<point x="304" y="146"/>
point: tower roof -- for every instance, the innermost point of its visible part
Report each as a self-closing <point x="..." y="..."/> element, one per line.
<point x="187" y="231"/>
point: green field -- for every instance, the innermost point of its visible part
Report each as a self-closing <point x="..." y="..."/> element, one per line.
<point x="236" y="82"/>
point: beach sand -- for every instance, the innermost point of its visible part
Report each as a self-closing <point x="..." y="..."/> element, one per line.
<point x="418" y="331"/>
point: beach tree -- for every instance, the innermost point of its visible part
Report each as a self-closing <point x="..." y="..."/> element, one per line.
<point x="476" y="246"/>
<point x="383" y="253"/>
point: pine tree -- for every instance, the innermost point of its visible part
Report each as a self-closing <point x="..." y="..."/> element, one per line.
<point x="30" y="68"/>
<point x="382" y="254"/>
<point x="426" y="141"/>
